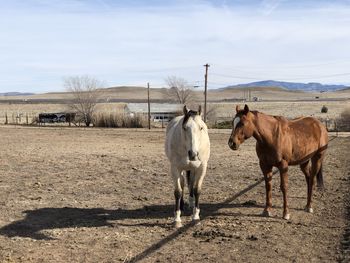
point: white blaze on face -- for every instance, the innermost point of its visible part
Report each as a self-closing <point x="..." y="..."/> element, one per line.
<point x="194" y="133"/>
<point x="235" y="122"/>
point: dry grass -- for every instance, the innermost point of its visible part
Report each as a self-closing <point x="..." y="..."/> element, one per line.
<point x="344" y="120"/>
<point x="14" y="111"/>
<point x="290" y="109"/>
<point x="140" y="93"/>
<point x="303" y="105"/>
<point x="119" y="120"/>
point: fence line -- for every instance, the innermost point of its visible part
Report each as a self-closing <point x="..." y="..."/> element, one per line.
<point x="29" y="118"/>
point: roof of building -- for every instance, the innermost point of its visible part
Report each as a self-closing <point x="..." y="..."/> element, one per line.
<point x="155" y="107"/>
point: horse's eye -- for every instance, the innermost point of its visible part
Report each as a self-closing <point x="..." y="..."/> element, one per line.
<point x="201" y="128"/>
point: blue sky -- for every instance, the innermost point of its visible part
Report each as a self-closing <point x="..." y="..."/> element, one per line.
<point x="134" y="42"/>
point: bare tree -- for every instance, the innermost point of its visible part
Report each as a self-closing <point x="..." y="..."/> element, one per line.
<point x="86" y="91"/>
<point x="212" y="112"/>
<point x="179" y="90"/>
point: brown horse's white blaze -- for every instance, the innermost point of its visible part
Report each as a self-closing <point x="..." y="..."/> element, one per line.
<point x="280" y="143"/>
<point x="187" y="147"/>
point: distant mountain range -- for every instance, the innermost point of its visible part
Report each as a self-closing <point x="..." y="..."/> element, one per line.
<point x="292" y="86"/>
<point x="16" y="94"/>
<point x="312" y="86"/>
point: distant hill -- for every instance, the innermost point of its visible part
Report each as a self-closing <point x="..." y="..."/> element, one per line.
<point x="16" y="94"/>
<point x="312" y="86"/>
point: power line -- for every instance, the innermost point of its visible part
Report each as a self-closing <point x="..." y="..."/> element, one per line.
<point x="234" y="77"/>
<point x="294" y="78"/>
<point x="289" y="66"/>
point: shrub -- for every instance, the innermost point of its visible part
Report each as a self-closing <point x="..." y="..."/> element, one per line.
<point x="344" y="120"/>
<point x="222" y="125"/>
<point x="345" y="115"/>
<point x="324" y="109"/>
<point x="115" y="120"/>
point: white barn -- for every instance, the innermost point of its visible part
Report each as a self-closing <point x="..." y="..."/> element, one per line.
<point x="160" y="112"/>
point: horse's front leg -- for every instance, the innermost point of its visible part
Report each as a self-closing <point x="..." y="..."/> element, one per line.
<point x="267" y="171"/>
<point x="197" y="188"/>
<point x="178" y="193"/>
<point x="283" y="168"/>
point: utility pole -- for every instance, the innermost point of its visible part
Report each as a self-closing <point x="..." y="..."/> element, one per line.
<point x="205" y="90"/>
<point x="149" y="108"/>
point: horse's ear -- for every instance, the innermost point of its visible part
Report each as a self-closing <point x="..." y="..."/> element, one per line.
<point x="246" y="109"/>
<point x="199" y="109"/>
<point x="237" y="108"/>
<point x="185" y="110"/>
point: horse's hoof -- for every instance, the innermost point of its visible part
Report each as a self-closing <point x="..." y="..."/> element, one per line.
<point x="177" y="224"/>
<point x="195" y="215"/>
<point x="266" y="213"/>
<point x="195" y="218"/>
<point x="286" y="216"/>
<point x="309" y="209"/>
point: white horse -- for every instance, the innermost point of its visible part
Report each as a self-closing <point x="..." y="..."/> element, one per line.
<point x="187" y="147"/>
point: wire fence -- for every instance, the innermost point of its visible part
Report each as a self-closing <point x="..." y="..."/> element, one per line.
<point x="337" y="125"/>
<point x="29" y="118"/>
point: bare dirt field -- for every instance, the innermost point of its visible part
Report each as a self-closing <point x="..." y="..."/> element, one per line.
<point x="104" y="195"/>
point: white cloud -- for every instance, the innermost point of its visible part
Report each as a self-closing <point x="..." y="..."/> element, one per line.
<point x="268" y="6"/>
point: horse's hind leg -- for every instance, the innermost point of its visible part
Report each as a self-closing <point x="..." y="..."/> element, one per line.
<point x="182" y="203"/>
<point x="305" y="168"/>
<point x="316" y="164"/>
<point x="197" y="187"/>
<point x="190" y="182"/>
<point x="283" y="168"/>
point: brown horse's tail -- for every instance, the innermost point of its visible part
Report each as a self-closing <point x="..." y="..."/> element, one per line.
<point x="319" y="177"/>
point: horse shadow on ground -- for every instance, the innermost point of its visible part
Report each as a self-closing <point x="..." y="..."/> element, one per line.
<point x="38" y="220"/>
<point x="42" y="219"/>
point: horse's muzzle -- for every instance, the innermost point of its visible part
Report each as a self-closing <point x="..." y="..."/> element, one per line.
<point x="192" y="156"/>
<point x="232" y="145"/>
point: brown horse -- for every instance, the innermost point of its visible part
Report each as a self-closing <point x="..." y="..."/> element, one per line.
<point x="280" y="143"/>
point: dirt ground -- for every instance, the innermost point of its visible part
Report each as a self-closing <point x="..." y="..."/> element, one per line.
<point x="104" y="195"/>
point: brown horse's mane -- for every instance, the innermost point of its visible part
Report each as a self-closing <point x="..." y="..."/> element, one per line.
<point x="277" y="117"/>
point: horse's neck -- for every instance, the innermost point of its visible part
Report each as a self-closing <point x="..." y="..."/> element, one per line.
<point x="265" y="129"/>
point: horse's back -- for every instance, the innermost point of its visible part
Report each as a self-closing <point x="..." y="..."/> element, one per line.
<point x="309" y="128"/>
<point x="306" y="138"/>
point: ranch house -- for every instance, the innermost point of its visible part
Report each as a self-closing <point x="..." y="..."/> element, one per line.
<point x="160" y="112"/>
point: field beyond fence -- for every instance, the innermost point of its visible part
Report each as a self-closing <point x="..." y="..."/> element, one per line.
<point x="337" y="117"/>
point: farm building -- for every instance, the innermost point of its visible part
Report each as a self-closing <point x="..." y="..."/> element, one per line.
<point x="56" y="117"/>
<point x="160" y="112"/>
